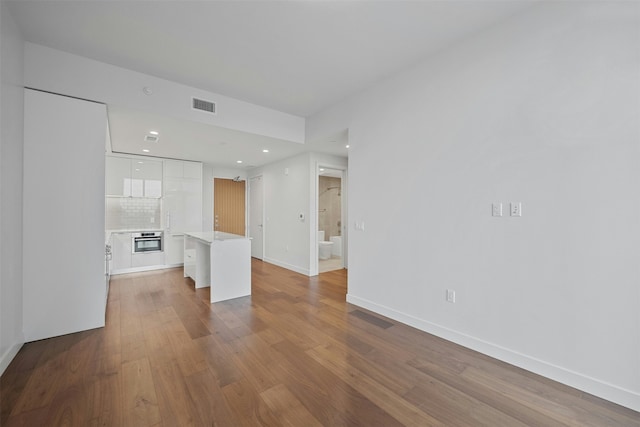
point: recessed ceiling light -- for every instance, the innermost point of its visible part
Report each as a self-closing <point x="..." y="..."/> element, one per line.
<point x="140" y="163"/>
<point x="265" y="151"/>
<point x="153" y="132"/>
<point x="145" y="150"/>
<point x="137" y="170"/>
<point x="238" y="161"/>
<point x="321" y="170"/>
<point x="346" y="146"/>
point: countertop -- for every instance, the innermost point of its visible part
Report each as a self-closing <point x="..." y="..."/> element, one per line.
<point x="108" y="233"/>
<point x="211" y="236"/>
<point x="134" y="230"/>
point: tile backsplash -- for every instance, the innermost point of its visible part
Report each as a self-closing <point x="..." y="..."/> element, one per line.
<point x="133" y="213"/>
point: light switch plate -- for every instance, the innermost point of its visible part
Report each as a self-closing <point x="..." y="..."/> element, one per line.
<point x="516" y="209"/>
<point x="451" y="295"/>
<point x="496" y="209"/>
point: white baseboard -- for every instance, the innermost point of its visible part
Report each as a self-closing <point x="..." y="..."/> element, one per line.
<point x="8" y="355"/>
<point x="173" y="265"/>
<point x="295" y="268"/>
<point x="141" y="269"/>
<point x="611" y="392"/>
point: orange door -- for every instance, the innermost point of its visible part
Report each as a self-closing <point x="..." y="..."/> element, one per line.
<point x="229" y="206"/>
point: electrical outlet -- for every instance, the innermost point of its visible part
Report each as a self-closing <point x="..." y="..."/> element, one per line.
<point x="516" y="209"/>
<point x="496" y="209"/>
<point x="451" y="295"/>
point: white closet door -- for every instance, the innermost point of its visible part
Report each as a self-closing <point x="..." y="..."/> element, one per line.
<point x="64" y="215"/>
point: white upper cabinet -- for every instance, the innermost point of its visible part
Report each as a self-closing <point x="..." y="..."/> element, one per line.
<point x="118" y="176"/>
<point x="146" y="178"/>
<point x="137" y="177"/>
<point x="182" y="202"/>
<point x="192" y="170"/>
<point x="182" y="169"/>
<point x="173" y="168"/>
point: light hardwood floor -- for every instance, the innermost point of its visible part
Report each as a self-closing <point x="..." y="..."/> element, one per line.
<point x="293" y="354"/>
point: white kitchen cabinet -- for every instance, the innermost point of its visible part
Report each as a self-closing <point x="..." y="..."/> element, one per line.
<point x="118" y="176"/>
<point x="192" y="170"/>
<point x="190" y="257"/>
<point x="192" y="204"/>
<point x="222" y="262"/>
<point x="183" y="169"/>
<point x="181" y="205"/>
<point x="125" y="261"/>
<point x="173" y="249"/>
<point x="147" y="259"/>
<point x="173" y="168"/>
<point x="63" y="215"/>
<point x="133" y="177"/>
<point x="121" y="251"/>
<point x="146" y="178"/>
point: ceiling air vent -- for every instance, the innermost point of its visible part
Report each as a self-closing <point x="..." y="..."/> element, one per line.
<point x="151" y="138"/>
<point x="202" y="105"/>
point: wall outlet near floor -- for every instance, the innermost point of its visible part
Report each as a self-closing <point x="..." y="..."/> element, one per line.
<point x="451" y="295"/>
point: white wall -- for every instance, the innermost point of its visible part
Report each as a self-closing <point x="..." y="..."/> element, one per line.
<point x="60" y="72"/>
<point x="11" y="139"/>
<point x="290" y="189"/>
<point x="286" y="196"/>
<point x="543" y="109"/>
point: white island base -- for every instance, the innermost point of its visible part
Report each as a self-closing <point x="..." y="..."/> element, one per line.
<point x="221" y="261"/>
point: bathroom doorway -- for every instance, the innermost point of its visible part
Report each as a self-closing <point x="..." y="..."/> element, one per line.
<point x="331" y="207"/>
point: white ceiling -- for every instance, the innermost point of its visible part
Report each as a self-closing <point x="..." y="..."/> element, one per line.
<point x="298" y="57"/>
<point x="181" y="139"/>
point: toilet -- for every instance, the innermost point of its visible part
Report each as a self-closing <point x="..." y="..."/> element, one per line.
<point x="337" y="245"/>
<point x="324" y="248"/>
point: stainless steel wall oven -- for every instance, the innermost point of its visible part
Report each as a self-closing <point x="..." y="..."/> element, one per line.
<point x="150" y="241"/>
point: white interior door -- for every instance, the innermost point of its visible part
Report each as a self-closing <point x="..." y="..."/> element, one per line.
<point x="256" y="216"/>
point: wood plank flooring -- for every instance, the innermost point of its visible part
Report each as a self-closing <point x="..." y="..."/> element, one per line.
<point x="293" y="354"/>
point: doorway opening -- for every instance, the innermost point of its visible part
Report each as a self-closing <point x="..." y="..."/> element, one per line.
<point x="331" y="207"/>
<point x="256" y="216"/>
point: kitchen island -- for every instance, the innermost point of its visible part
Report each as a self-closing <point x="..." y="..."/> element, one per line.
<point x="221" y="261"/>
